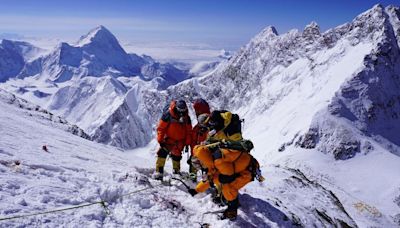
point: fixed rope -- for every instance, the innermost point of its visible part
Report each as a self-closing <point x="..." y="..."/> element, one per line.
<point x="103" y="203"/>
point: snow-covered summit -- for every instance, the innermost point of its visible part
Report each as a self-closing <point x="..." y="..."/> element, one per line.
<point x="98" y="54"/>
<point x="100" y="34"/>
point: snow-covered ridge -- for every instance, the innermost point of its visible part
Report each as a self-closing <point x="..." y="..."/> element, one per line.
<point x="14" y="55"/>
<point x="281" y="81"/>
<point x="36" y="112"/>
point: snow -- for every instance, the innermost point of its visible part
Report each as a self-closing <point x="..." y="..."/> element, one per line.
<point x="321" y="108"/>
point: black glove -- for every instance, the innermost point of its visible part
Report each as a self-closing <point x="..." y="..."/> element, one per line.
<point x="192" y="191"/>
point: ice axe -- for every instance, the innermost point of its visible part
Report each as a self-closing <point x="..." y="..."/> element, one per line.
<point x="186" y="186"/>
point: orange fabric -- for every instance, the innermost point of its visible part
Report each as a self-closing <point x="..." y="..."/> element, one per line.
<point x="205" y="157"/>
<point x="232" y="162"/>
<point x="231" y="190"/>
<point x="202" y="186"/>
<point x="197" y="136"/>
<point x="172" y="132"/>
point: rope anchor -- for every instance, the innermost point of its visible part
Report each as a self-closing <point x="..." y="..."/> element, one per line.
<point x="105" y="205"/>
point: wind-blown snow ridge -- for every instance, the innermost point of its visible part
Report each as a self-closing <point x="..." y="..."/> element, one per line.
<point x="35" y="111"/>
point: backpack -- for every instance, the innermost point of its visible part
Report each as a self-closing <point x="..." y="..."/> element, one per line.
<point x="242" y="145"/>
<point x="235" y="126"/>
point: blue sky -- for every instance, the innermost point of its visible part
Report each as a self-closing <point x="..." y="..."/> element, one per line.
<point x="220" y="23"/>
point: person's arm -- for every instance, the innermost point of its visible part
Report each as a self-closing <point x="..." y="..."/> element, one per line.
<point x="161" y="131"/>
<point x="188" y="139"/>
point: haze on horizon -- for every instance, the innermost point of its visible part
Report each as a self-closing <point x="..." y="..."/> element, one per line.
<point x="162" y="27"/>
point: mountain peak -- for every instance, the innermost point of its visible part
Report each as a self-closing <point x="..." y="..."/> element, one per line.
<point x="266" y="34"/>
<point x="98" y="34"/>
<point x="312" y="29"/>
<point x="270" y="30"/>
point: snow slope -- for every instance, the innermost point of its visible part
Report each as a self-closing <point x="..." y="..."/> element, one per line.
<point x="75" y="171"/>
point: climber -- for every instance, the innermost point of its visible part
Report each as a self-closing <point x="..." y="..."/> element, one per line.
<point x="199" y="135"/>
<point x="201" y="106"/>
<point x="226" y="158"/>
<point x="199" y="132"/>
<point x="173" y="134"/>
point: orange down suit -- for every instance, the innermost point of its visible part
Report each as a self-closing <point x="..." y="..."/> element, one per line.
<point x="226" y="167"/>
<point x="174" y="132"/>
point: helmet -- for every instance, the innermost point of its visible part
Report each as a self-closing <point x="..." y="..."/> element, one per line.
<point x="181" y="107"/>
<point x="215" y="122"/>
<point x="202" y="118"/>
<point x="201" y="106"/>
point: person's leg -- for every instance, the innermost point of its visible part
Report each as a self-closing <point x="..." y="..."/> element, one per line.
<point x="176" y="163"/>
<point x="162" y="154"/>
<point x="231" y="212"/>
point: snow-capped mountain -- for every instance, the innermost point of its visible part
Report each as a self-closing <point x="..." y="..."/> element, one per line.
<point x="99" y="53"/>
<point x="351" y="70"/>
<point x="322" y="110"/>
<point x="13" y="56"/>
<point x="87" y="82"/>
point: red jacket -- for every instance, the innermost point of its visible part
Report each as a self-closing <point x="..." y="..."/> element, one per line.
<point x="174" y="132"/>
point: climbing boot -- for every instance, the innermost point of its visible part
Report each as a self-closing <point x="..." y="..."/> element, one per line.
<point x="231" y="212"/>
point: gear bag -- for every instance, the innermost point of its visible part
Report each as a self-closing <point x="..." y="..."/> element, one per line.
<point x="242" y="145"/>
<point x="235" y="126"/>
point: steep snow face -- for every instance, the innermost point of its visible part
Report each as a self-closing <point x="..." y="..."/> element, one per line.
<point x="89" y="101"/>
<point x="11" y="61"/>
<point x="279" y="82"/>
<point x="112" y="111"/>
<point x="370" y="100"/>
<point x="128" y="126"/>
<point x="36" y="112"/>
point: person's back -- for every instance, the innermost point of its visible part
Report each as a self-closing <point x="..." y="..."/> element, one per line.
<point x="229" y="165"/>
<point x="224" y="125"/>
